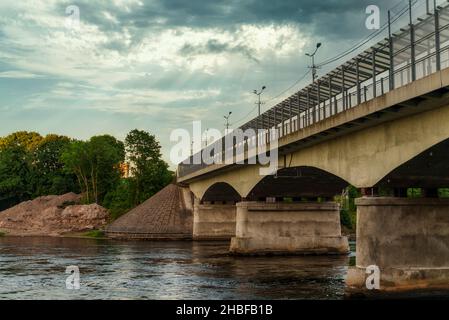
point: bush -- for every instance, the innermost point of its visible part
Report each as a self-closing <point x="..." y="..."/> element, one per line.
<point x="119" y="201"/>
<point x="345" y="218"/>
<point x="95" y="234"/>
<point x="443" y="193"/>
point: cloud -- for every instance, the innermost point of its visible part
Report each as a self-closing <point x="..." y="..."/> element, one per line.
<point x="16" y="74"/>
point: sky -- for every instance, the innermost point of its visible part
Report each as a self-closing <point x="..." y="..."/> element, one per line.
<point x="158" y="65"/>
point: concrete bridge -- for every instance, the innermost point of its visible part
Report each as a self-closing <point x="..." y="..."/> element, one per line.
<point x="379" y="122"/>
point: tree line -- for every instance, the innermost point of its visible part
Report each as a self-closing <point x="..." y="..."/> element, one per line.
<point x="32" y="165"/>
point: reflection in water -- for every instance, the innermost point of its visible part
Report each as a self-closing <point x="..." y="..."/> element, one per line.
<point x="34" y="268"/>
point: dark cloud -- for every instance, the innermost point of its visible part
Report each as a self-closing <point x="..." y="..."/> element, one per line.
<point x="339" y="19"/>
<point x="213" y="46"/>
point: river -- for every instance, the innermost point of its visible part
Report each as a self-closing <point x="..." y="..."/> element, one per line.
<point x="34" y="268"/>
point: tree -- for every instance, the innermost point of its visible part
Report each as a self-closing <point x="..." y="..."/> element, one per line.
<point x="119" y="201"/>
<point x="95" y="164"/>
<point x="149" y="173"/>
<point x="106" y="154"/>
<point x="75" y="159"/>
<point x="15" y="167"/>
<point x="28" y="140"/>
<point x="49" y="176"/>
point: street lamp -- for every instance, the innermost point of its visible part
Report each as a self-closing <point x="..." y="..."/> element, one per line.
<point x="227" y="120"/>
<point x="314" y="67"/>
<point x="207" y="138"/>
<point x="258" y="93"/>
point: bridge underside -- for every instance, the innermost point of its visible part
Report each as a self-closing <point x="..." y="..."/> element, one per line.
<point x="298" y="183"/>
<point x="429" y="170"/>
<point x="221" y="193"/>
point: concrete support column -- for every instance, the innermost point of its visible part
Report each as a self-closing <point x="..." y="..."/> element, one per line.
<point x="213" y="221"/>
<point x="407" y="239"/>
<point x="288" y="228"/>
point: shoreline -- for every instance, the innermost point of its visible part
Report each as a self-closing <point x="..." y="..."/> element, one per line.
<point x="6" y="234"/>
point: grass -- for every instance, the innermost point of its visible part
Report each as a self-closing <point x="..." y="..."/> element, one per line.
<point x="95" y="234"/>
<point x="2" y="234"/>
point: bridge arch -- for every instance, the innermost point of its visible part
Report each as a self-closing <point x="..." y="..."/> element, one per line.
<point x="366" y="156"/>
<point x="428" y="169"/>
<point x="221" y="192"/>
<point x="297" y="183"/>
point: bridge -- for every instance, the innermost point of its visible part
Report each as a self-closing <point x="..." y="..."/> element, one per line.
<point x="379" y="122"/>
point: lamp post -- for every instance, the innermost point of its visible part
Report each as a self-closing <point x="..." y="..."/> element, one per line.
<point x="258" y="93"/>
<point x="206" y="138"/>
<point x="227" y="121"/>
<point x="259" y="103"/>
<point x="312" y="55"/>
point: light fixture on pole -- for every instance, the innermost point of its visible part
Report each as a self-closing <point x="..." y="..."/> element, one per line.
<point x="227" y="120"/>
<point x="258" y="93"/>
<point x="314" y="67"/>
<point x="206" y="138"/>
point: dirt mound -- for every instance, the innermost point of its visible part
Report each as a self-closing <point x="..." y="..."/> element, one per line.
<point x="166" y="215"/>
<point x="52" y="215"/>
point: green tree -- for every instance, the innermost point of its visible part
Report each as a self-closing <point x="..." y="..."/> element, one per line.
<point x="95" y="164"/>
<point x="75" y="159"/>
<point x="49" y="176"/>
<point x="106" y="153"/>
<point x="149" y="173"/>
<point x="119" y="201"/>
<point x="15" y="168"/>
<point x="25" y="139"/>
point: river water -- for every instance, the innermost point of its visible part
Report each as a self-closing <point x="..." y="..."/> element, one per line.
<point x="34" y="268"/>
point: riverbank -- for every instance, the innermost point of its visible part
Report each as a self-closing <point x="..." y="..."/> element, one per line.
<point x="53" y="216"/>
<point x="84" y="235"/>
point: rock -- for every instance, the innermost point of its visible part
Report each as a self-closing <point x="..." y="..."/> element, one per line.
<point x="52" y="215"/>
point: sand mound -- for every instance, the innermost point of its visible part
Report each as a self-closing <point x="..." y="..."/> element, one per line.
<point x="52" y="215"/>
<point x="166" y="215"/>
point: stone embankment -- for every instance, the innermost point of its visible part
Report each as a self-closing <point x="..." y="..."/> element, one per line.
<point x="168" y="215"/>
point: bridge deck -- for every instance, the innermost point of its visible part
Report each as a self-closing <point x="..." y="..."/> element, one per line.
<point x="419" y="96"/>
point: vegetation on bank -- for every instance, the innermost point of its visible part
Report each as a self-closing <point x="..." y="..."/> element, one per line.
<point x="32" y="165"/>
<point x="95" y="234"/>
<point x="2" y="234"/>
<point x="348" y="213"/>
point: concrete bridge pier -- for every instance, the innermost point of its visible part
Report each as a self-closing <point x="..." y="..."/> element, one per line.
<point x="288" y="228"/>
<point x="407" y="239"/>
<point x="213" y="221"/>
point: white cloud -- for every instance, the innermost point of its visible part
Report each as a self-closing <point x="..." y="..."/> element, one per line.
<point x="16" y="74"/>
